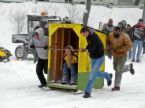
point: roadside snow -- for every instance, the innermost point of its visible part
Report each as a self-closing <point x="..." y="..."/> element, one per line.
<point x="18" y="81"/>
<point x="18" y="89"/>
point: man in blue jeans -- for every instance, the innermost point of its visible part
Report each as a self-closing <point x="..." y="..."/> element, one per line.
<point x="95" y="48"/>
<point x="139" y="36"/>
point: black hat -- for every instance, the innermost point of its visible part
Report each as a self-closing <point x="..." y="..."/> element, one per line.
<point x="140" y="20"/>
<point x="117" y="28"/>
<point x="84" y="29"/>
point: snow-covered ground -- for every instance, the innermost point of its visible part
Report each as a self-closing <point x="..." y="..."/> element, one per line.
<point x="18" y="81"/>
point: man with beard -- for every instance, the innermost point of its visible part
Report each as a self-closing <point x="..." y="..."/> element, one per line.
<point x="120" y="45"/>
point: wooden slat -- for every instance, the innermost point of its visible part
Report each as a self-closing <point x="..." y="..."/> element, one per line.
<point x="55" y="55"/>
<point x="62" y="52"/>
<point x="61" y="86"/>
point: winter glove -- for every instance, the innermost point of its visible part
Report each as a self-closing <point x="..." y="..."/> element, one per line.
<point x="82" y="49"/>
<point x="45" y="47"/>
<point x="121" y="50"/>
<point x="32" y="46"/>
<point x="109" y="54"/>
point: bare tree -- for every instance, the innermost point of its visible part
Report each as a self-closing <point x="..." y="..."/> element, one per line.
<point x="87" y="12"/>
<point x="47" y="8"/>
<point x="34" y="9"/>
<point x="73" y="12"/>
<point x="143" y="16"/>
<point x="55" y="11"/>
<point x="137" y="2"/>
<point x="18" y="19"/>
<point x="36" y="1"/>
<point x="44" y="7"/>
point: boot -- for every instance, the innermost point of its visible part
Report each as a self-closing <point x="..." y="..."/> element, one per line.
<point x="116" y="88"/>
<point x="64" y="82"/>
<point x="73" y="83"/>
<point x="110" y="81"/>
<point x="87" y="95"/>
<point x="132" y="71"/>
<point x="138" y="60"/>
<point x="133" y="60"/>
<point x="42" y="85"/>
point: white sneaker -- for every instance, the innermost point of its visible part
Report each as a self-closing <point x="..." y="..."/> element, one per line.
<point x="45" y="88"/>
<point x="79" y="92"/>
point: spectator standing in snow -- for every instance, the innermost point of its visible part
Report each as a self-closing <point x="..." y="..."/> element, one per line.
<point x="130" y="34"/>
<point x="123" y="25"/>
<point x="40" y="43"/>
<point x="144" y="47"/>
<point x="70" y="66"/>
<point x="108" y="27"/>
<point x="120" y="44"/>
<point x="95" y="48"/>
<point x="139" y="36"/>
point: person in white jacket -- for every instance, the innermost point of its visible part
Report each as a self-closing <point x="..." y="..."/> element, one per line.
<point x="40" y="43"/>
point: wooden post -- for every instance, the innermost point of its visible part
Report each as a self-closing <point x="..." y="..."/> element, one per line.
<point x="62" y="46"/>
<point x="143" y="15"/>
<point x="36" y="1"/>
<point x="55" y="56"/>
<point x="87" y="12"/>
<point x="137" y="2"/>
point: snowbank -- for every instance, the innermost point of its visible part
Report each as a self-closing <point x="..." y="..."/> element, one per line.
<point x="98" y="14"/>
<point x="18" y="82"/>
<point x="18" y="89"/>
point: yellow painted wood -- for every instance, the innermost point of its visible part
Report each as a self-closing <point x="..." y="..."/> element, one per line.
<point x="2" y="53"/>
<point x="83" y="57"/>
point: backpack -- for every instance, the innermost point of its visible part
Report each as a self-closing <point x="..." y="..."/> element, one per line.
<point x="139" y="32"/>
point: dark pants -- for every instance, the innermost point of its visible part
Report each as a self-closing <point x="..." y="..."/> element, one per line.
<point x="41" y="66"/>
<point x="120" y="68"/>
<point x="143" y="47"/>
<point x="1" y="59"/>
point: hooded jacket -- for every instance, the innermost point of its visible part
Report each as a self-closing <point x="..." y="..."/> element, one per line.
<point x="40" y="41"/>
<point x="119" y="46"/>
<point x="107" y="29"/>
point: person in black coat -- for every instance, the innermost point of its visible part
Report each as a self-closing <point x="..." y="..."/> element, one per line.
<point x="95" y="48"/>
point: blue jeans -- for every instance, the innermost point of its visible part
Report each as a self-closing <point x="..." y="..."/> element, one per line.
<point x="72" y="71"/>
<point x="137" y="46"/>
<point x="95" y="65"/>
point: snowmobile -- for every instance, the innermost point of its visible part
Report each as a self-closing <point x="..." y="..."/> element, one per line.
<point x="4" y="55"/>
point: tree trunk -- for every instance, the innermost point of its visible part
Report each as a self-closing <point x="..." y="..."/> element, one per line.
<point x="137" y="2"/>
<point x="87" y="12"/>
<point x="36" y="1"/>
<point x="143" y="16"/>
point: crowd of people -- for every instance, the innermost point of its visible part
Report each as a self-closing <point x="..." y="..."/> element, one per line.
<point x="136" y="34"/>
<point x="123" y="42"/>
